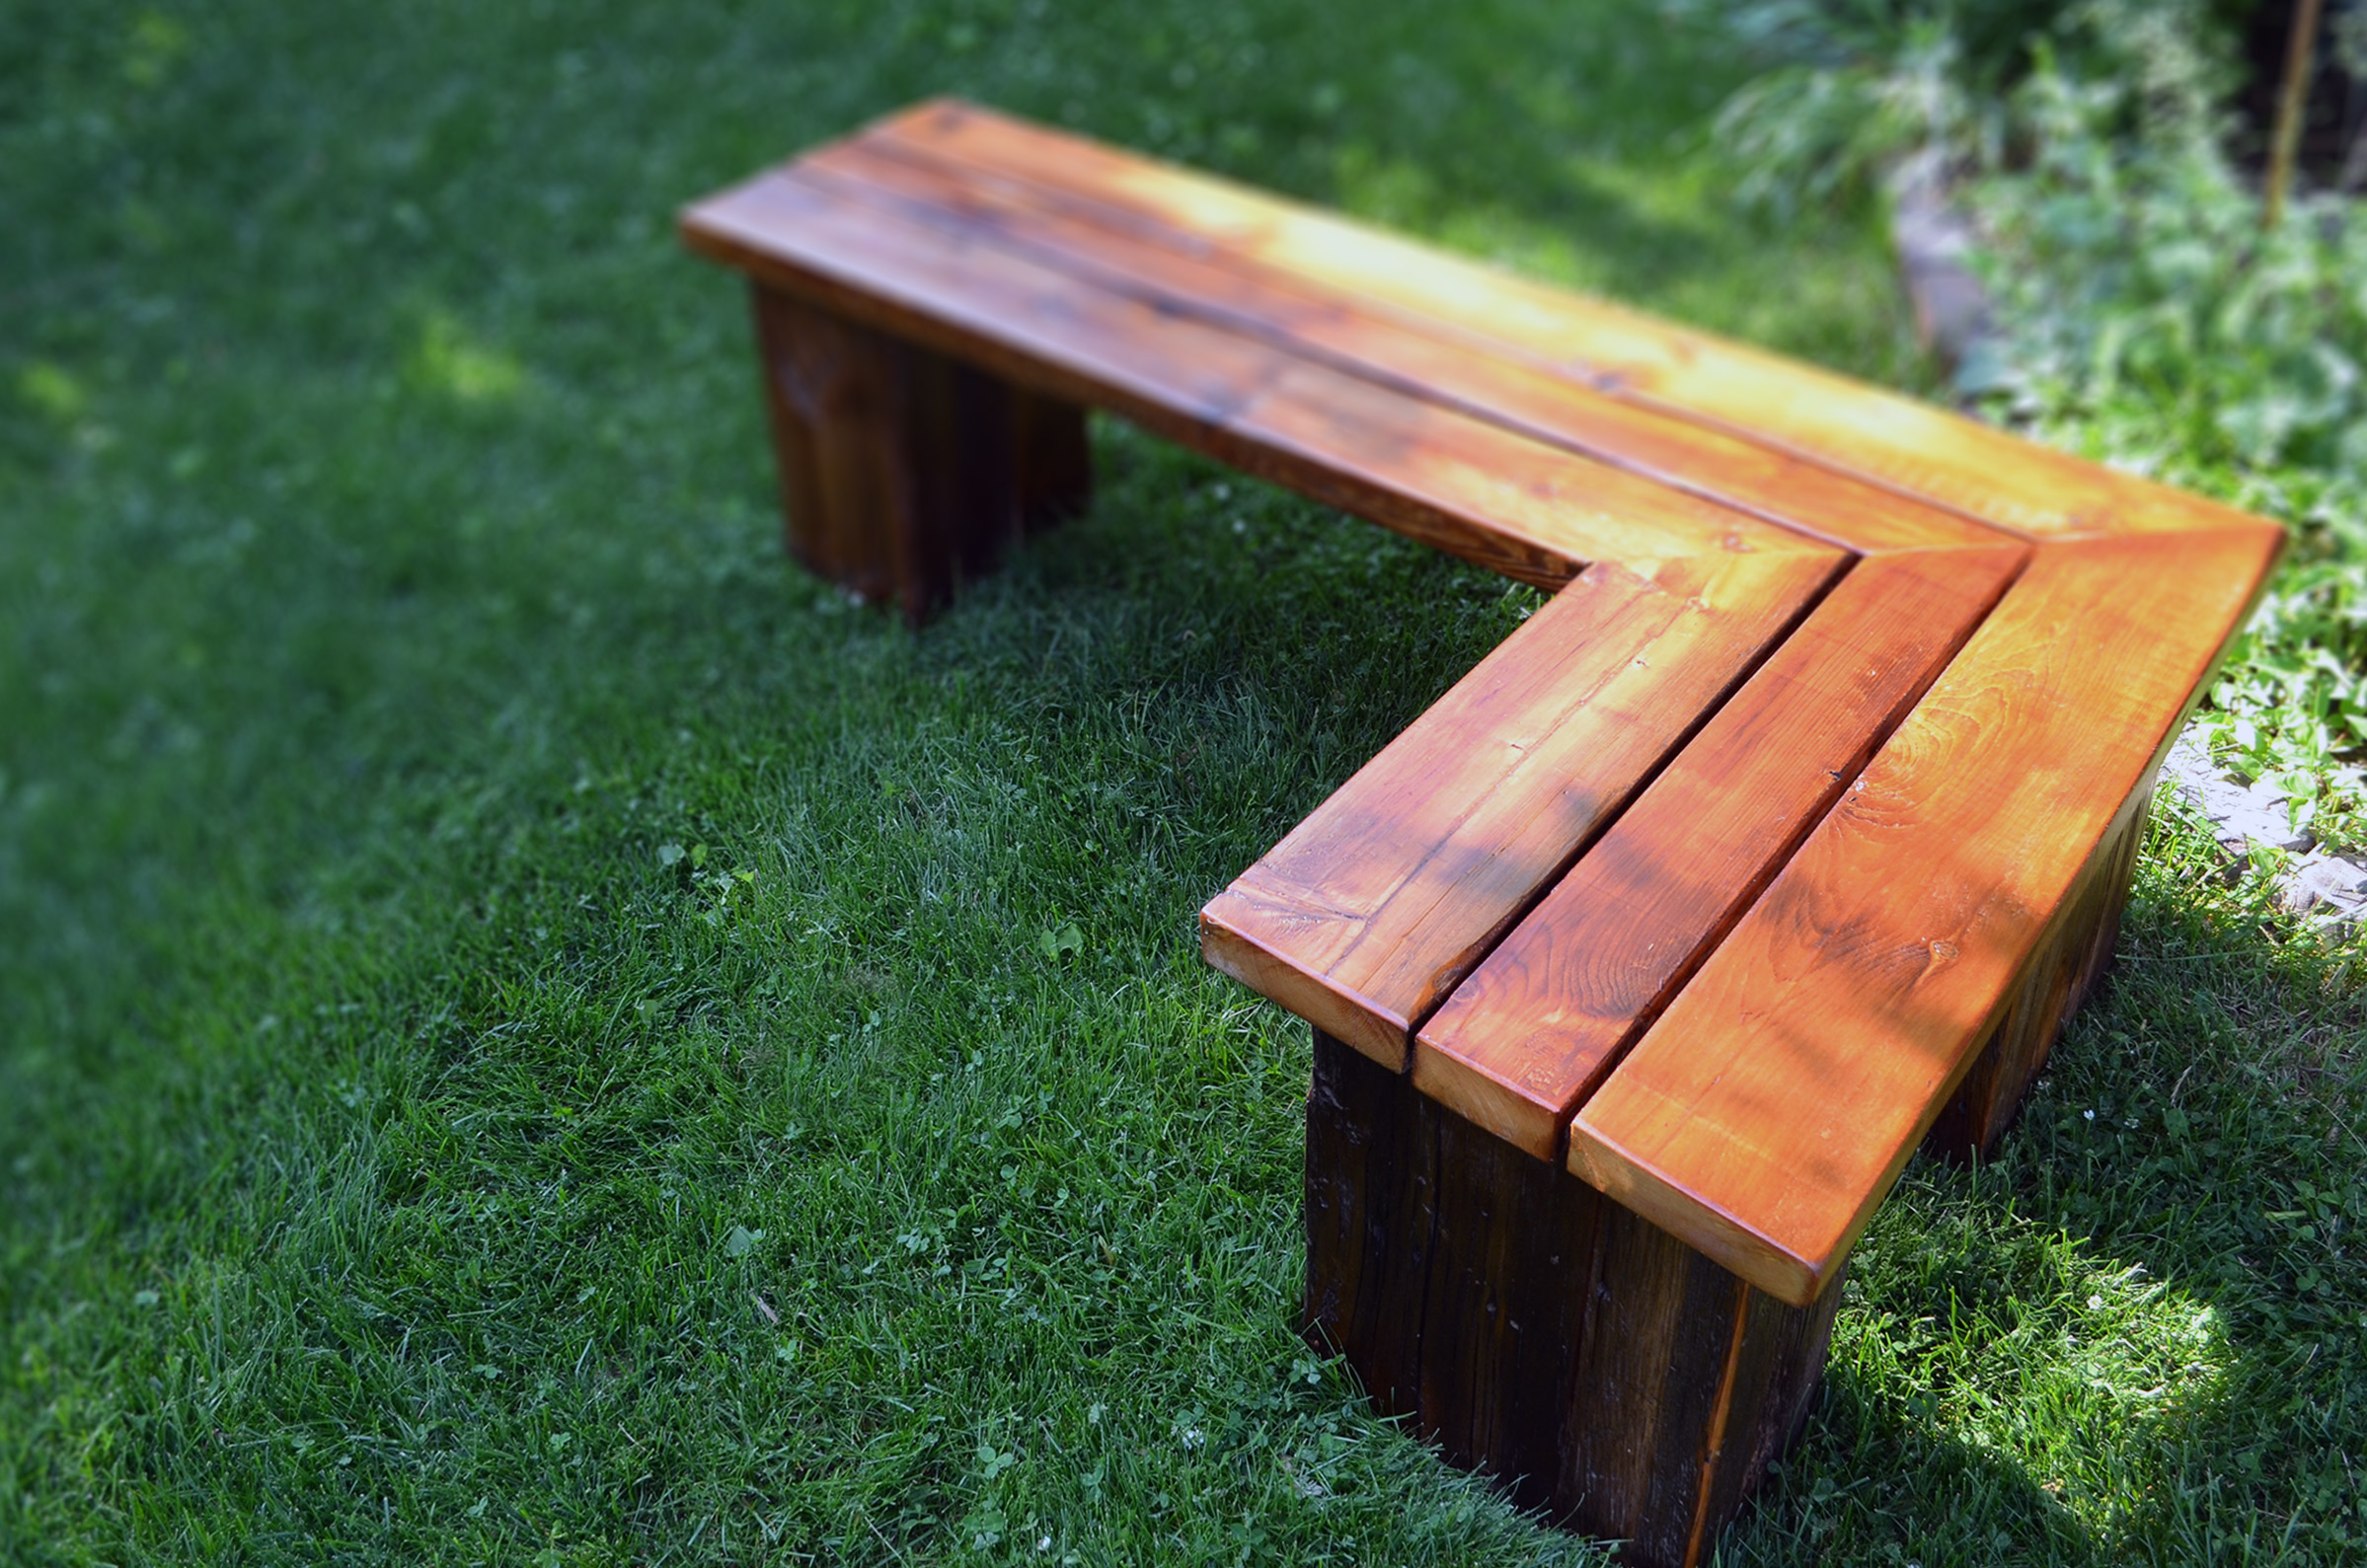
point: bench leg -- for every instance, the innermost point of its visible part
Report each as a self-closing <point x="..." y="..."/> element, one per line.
<point x="902" y="471"/>
<point x="2070" y="964"/>
<point x="1536" y="1330"/>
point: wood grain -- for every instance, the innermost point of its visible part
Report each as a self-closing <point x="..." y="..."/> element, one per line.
<point x="1462" y="484"/>
<point x="834" y="401"/>
<point x="1770" y="1107"/>
<point x="904" y="473"/>
<point x="1371" y="910"/>
<point x="1268" y="305"/>
<point x="2071" y="962"/>
<point x="1776" y="840"/>
<point x="1984" y="473"/>
<point x="1539" y="1024"/>
<point x="1598" y="1367"/>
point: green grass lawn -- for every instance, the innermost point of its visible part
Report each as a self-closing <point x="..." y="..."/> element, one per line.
<point x="528" y="1027"/>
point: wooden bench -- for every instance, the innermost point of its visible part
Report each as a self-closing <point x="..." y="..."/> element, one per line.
<point x="1782" y="840"/>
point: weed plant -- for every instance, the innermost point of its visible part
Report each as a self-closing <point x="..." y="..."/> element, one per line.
<point x="533" y="1032"/>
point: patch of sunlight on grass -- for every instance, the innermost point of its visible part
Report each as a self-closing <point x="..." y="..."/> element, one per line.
<point x="2083" y="1375"/>
<point x="2087" y="1386"/>
<point x="448" y="361"/>
<point x="158" y="44"/>
<point x="53" y="392"/>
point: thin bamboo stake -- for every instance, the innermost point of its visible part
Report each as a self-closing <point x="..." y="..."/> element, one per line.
<point x="2300" y="51"/>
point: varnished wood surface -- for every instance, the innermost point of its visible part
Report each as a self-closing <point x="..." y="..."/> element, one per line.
<point x="1812" y="978"/>
<point x="833" y="398"/>
<point x="1468" y="486"/>
<point x="1984" y="473"/>
<point x="1770" y="1107"/>
<point x="1539" y="1024"/>
<point x="1379" y="902"/>
<point x="2071" y="960"/>
<point x="1073" y="233"/>
<point x="904" y="472"/>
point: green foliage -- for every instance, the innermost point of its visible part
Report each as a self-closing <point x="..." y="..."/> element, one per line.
<point x="533" y="1032"/>
<point x="2146" y="319"/>
<point x="1853" y="92"/>
<point x="2140" y="314"/>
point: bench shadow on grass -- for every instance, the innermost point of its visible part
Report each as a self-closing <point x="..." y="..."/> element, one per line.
<point x="2086" y="1349"/>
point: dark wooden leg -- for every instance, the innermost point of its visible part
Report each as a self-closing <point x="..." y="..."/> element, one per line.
<point x="1054" y="457"/>
<point x="1535" y="1329"/>
<point x="903" y="472"/>
<point x="2068" y="967"/>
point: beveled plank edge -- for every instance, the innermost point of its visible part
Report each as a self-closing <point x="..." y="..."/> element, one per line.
<point x="1513" y="1111"/>
<point x="2148" y="498"/>
<point x="1742" y="1248"/>
<point x="1338" y="1010"/>
<point x="1478" y="1094"/>
<point x="1386" y="1030"/>
<point x="1777" y="1268"/>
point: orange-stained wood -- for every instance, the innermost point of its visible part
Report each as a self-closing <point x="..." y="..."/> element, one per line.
<point x="1985" y="474"/>
<point x="1279" y="308"/>
<point x="1463" y="485"/>
<point x="1539" y="1024"/>
<point x="2071" y="961"/>
<point x="1386" y="896"/>
<point x="1772" y="1106"/>
<point x="1785" y="883"/>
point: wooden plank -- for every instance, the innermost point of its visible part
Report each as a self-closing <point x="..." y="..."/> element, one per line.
<point x="1464" y="486"/>
<point x="1984" y="473"/>
<point x="1770" y="1107"/>
<point x="1539" y="1024"/>
<point x="1370" y="1212"/>
<point x="1371" y="910"/>
<point x="1288" y="312"/>
<point x="1053" y="453"/>
<point x="2070" y="963"/>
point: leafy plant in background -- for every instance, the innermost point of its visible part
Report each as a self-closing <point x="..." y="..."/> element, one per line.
<point x="2144" y="317"/>
<point x="2140" y="314"/>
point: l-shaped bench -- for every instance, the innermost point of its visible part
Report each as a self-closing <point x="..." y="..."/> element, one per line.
<point x="1780" y="839"/>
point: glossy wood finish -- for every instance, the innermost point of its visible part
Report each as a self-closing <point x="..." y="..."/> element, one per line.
<point x="1543" y="1020"/>
<point x="1772" y="1106"/>
<point x="1109" y="249"/>
<point x="1465" y="484"/>
<point x="2070" y="963"/>
<point x="1376" y="906"/>
<point x="1986" y="475"/>
<point x="1600" y="1368"/>
<point x="1785" y="835"/>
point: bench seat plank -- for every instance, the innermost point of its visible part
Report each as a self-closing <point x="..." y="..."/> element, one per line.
<point x="1538" y="1026"/>
<point x="1772" y="1106"/>
<point x="1076" y="234"/>
<point x="1985" y="474"/>
<point x="1462" y="484"/>
<point x="1374" y="906"/>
